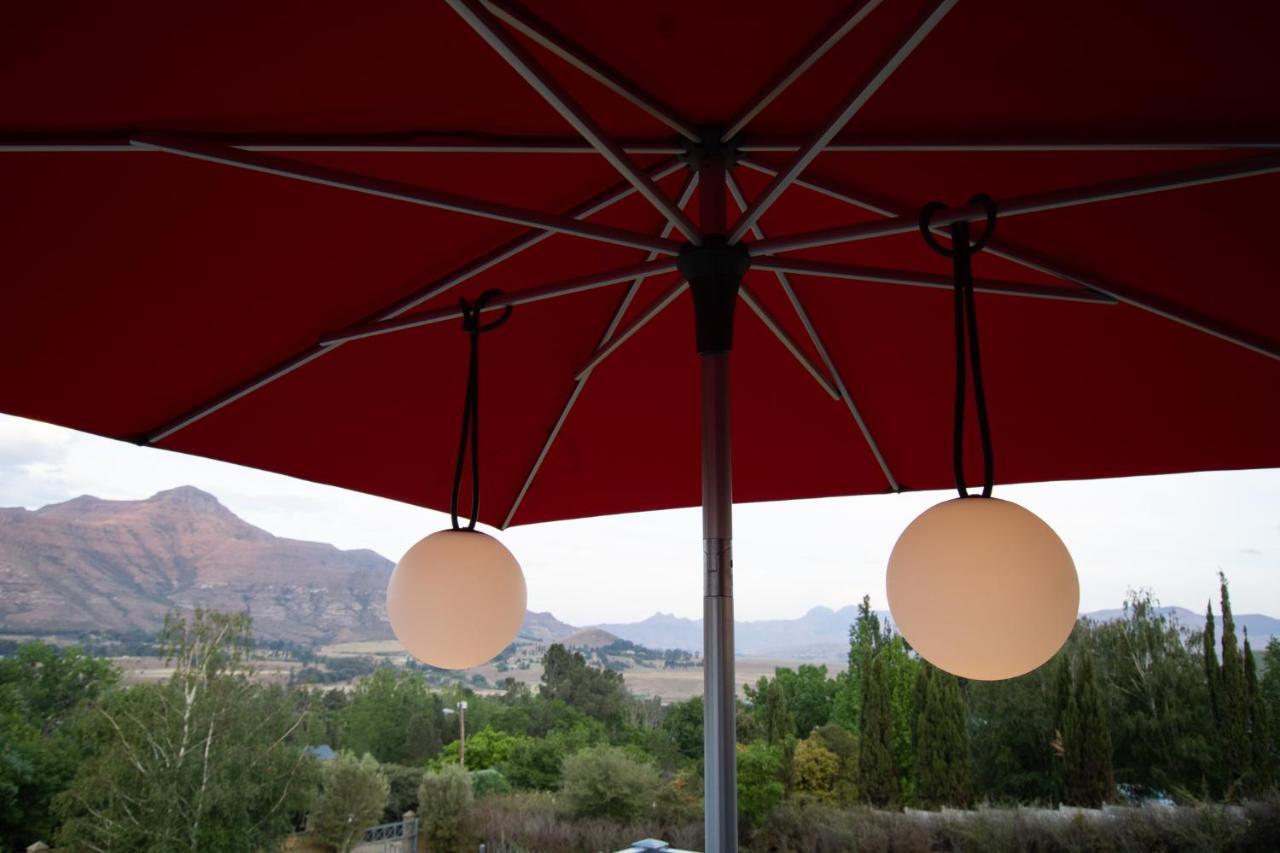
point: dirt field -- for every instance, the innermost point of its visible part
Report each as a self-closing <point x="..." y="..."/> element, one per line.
<point x="147" y="670"/>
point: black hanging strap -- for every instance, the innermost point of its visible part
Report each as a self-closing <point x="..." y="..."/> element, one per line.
<point x="966" y="324"/>
<point x="471" y="405"/>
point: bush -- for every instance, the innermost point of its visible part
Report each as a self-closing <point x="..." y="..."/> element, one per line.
<point x="603" y="781"/>
<point x="760" y="788"/>
<point x="444" y="798"/>
<point x="404" y="782"/>
<point x="487" y="782"/>
<point x="353" y="793"/>
<point x="533" y="821"/>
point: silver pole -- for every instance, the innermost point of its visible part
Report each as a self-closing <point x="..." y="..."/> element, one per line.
<point x="720" y="736"/>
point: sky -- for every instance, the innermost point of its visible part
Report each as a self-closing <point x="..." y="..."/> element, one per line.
<point x="1170" y="534"/>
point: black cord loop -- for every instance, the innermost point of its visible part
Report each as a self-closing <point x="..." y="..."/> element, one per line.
<point x="471" y="404"/>
<point x="966" y="325"/>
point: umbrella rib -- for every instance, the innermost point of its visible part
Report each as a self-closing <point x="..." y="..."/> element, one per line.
<point x="487" y="27"/>
<point x="1048" y="266"/>
<point x="653" y="309"/>
<point x="398" y="191"/>
<point x="460" y="275"/>
<point x="820" y="347"/>
<point x="907" y="278"/>
<point x="771" y="323"/>
<point x="815" y="50"/>
<point x="1037" y="203"/>
<point x="840" y="118"/>
<point x="580" y="380"/>
<point x="568" y="287"/>
<point x="429" y="143"/>
<point x="579" y="57"/>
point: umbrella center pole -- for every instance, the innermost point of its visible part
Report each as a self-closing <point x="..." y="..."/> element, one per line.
<point x="714" y="271"/>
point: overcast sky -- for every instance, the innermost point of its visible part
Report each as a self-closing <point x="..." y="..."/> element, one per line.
<point x="1170" y="534"/>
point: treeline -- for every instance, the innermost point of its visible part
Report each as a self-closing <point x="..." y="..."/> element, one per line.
<point x="1138" y="708"/>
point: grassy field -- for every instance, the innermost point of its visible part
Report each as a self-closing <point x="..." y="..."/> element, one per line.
<point x="144" y="670"/>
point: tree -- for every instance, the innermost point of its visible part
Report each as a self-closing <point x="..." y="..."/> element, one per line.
<point x="1087" y="743"/>
<point x="605" y="781"/>
<point x="1269" y="695"/>
<point x="41" y="687"/>
<point x="444" y="799"/>
<point x="877" y="768"/>
<point x="208" y="761"/>
<point x="393" y="716"/>
<point x="1233" y="702"/>
<point x="866" y="635"/>
<point x="683" y="723"/>
<point x="1157" y="702"/>
<point x="942" y="746"/>
<point x="353" y="793"/>
<point x="810" y="696"/>
<point x="760" y="788"/>
<point x="1260" y="766"/>
<point x="1212" y="672"/>
<point x="844" y="746"/>
<point x="815" y="769"/>
<point x="599" y="693"/>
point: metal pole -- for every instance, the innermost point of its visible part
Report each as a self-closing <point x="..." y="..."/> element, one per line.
<point x="720" y="789"/>
<point x="714" y="271"/>
<point x="462" y="733"/>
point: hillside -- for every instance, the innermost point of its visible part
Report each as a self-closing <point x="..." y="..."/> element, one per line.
<point x="97" y="565"/>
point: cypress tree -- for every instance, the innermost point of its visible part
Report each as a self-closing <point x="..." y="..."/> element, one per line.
<point x="1233" y="703"/>
<point x="1089" y="777"/>
<point x="1063" y="699"/>
<point x="1212" y="674"/>
<point x="877" y="770"/>
<point x="1259" y="734"/>
<point x="943" y="771"/>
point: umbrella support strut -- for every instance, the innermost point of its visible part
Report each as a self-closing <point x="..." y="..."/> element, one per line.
<point x="714" y="271"/>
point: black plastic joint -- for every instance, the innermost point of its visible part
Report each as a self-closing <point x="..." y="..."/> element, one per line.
<point x="710" y="147"/>
<point x="714" y="271"/>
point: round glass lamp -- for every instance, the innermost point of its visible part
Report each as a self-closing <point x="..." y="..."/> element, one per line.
<point x="456" y="599"/>
<point x="982" y="588"/>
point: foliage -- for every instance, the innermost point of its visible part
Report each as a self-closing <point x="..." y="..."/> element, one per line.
<point x="942" y="745"/>
<point x="41" y="687"/>
<point x="845" y="747"/>
<point x="1259" y="737"/>
<point x="353" y="793"/>
<point x="1234" y="704"/>
<point x="1087" y="773"/>
<point x="207" y="761"/>
<point x="402" y="796"/>
<point x="605" y="781"/>
<point x="444" y="800"/>
<point x="683" y="723"/>
<point x="877" y="767"/>
<point x="1011" y="732"/>
<point x="598" y="693"/>
<point x="815" y="770"/>
<point x="394" y="717"/>
<point x="533" y="821"/>
<point x="760" y="788"/>
<point x="488" y="782"/>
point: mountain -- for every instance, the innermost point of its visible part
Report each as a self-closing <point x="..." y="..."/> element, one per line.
<point x="589" y="638"/>
<point x="97" y="565"/>
<point x="822" y="634"/>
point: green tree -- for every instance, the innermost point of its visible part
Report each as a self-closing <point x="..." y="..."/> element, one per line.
<point x="844" y="746"/>
<point x="1212" y="672"/>
<point x="877" y="767"/>
<point x="353" y="794"/>
<point x="1260" y="766"/>
<point x="1087" y="743"/>
<point x="393" y="716"/>
<point x="1158" y="706"/>
<point x="942" y="745"/>
<point x="41" y="687"/>
<point x="487" y="747"/>
<point x="604" y="781"/>
<point x="1234" y="704"/>
<point x="866" y="636"/>
<point x="444" y="800"/>
<point x="810" y="696"/>
<point x="683" y="723"/>
<point x="760" y="786"/>
<point x="599" y="693"/>
<point x="815" y="770"/>
<point x="1269" y="695"/>
<point x="208" y="761"/>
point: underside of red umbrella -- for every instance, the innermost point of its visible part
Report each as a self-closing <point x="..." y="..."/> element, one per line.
<point x="241" y="231"/>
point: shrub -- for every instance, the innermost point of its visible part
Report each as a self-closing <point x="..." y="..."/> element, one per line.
<point x="527" y="821"/>
<point x="353" y="792"/>
<point x="444" y="798"/>
<point x="404" y="782"/>
<point x="487" y="782"/>
<point x="815" y="770"/>
<point x="760" y="788"/>
<point x="603" y="781"/>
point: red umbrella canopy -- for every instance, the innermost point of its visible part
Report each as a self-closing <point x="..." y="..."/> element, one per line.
<point x="241" y="230"/>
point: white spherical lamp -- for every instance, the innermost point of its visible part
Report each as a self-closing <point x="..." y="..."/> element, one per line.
<point x="982" y="588"/>
<point x="456" y="599"/>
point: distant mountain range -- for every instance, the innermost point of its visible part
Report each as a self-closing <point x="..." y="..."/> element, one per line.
<point x="822" y="634"/>
<point x="90" y="565"/>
